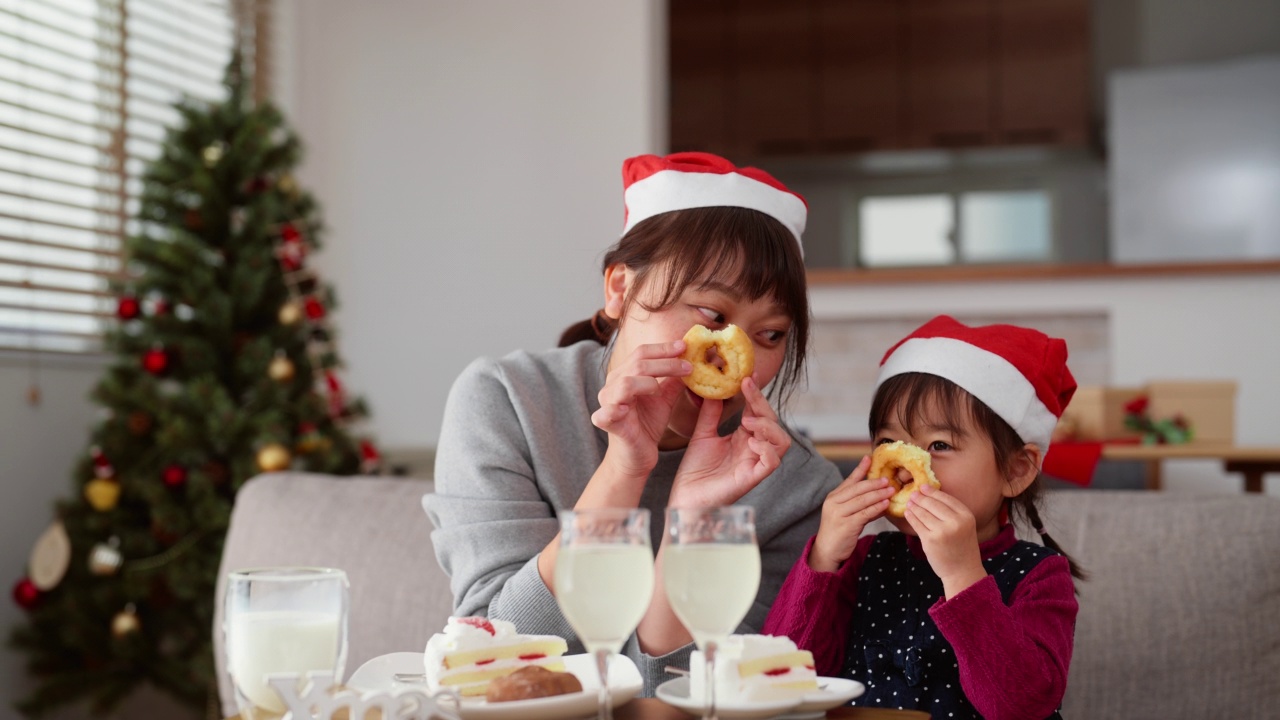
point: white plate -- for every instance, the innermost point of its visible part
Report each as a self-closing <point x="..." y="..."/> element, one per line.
<point x="834" y="693"/>
<point x="624" y="684"/>
<point x="676" y="693"/>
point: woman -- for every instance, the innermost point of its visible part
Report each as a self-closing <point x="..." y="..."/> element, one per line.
<point x="606" y="421"/>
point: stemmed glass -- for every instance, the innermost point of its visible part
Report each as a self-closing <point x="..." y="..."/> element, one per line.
<point x="711" y="570"/>
<point x="603" y="581"/>
<point x="283" y="620"/>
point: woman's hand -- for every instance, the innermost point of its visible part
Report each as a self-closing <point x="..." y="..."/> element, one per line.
<point x="846" y="511"/>
<point x="720" y="470"/>
<point x="949" y="536"/>
<point x="636" y="402"/>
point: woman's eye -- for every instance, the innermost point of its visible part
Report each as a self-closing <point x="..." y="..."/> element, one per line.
<point x="773" y="337"/>
<point x="715" y="317"/>
<point x="938" y="446"/>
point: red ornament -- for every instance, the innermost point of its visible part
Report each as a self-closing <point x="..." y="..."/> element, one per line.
<point x="256" y="185"/>
<point x="1137" y="406"/>
<point x="26" y="594"/>
<point x="128" y="308"/>
<point x="313" y="308"/>
<point x="174" y="477"/>
<point x="290" y="234"/>
<point x="369" y="457"/>
<point x="101" y="465"/>
<point x="160" y="308"/>
<point x="155" y="361"/>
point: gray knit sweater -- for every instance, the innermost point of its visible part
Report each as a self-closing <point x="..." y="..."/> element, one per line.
<point x="517" y="445"/>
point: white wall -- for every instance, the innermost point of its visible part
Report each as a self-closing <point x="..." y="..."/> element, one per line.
<point x="468" y="159"/>
<point x="1166" y="328"/>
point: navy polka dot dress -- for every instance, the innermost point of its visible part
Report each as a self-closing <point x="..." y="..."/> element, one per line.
<point x="894" y="647"/>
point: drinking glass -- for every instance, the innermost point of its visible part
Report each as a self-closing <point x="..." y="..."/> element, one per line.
<point x="711" y="570"/>
<point x="282" y="620"/>
<point x="603" y="581"/>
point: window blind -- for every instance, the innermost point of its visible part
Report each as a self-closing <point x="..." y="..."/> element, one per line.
<point x="86" y="94"/>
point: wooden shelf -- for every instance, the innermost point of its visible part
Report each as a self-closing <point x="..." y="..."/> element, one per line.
<point x="1014" y="273"/>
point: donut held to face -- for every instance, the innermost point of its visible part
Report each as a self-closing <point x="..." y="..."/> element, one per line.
<point x="887" y="459"/>
<point x="718" y="376"/>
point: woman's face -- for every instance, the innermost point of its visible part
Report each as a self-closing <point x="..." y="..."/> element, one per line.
<point x="712" y="303"/>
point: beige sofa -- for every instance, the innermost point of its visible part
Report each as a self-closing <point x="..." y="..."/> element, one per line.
<point x="1180" y="618"/>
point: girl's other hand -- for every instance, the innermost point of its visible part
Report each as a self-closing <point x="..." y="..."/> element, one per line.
<point x="636" y="402"/>
<point x="846" y="511"/>
<point x="949" y="536"/>
<point x="720" y="470"/>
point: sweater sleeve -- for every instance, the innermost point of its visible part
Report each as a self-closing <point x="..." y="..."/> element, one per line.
<point x="1013" y="658"/>
<point x="491" y="521"/>
<point x="815" y="608"/>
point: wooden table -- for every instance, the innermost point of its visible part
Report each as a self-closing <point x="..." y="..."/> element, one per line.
<point x="654" y="709"/>
<point x="1252" y="462"/>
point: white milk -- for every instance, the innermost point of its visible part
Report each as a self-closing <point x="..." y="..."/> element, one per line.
<point x="260" y="643"/>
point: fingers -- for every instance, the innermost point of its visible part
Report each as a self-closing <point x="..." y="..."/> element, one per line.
<point x="757" y="404"/>
<point x="708" y="419"/>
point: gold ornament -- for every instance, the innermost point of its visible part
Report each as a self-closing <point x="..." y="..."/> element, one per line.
<point x="125" y="622"/>
<point x="290" y="313"/>
<point x="212" y="154"/>
<point x="281" y="368"/>
<point x="273" y="458"/>
<point x="102" y="493"/>
<point x="105" y="558"/>
<point x="287" y="185"/>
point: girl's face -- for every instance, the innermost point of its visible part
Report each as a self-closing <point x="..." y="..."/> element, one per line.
<point x="712" y="303"/>
<point x="963" y="460"/>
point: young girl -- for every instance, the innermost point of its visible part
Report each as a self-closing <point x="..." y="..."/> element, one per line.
<point x="606" y="420"/>
<point x="953" y="615"/>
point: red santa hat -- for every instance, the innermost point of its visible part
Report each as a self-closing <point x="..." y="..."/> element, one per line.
<point x="653" y="185"/>
<point x="1020" y="373"/>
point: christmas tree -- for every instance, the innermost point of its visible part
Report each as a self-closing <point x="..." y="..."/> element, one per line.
<point x="223" y="367"/>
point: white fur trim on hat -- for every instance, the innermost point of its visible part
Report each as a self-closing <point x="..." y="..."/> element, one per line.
<point x="983" y="374"/>
<point x="669" y="190"/>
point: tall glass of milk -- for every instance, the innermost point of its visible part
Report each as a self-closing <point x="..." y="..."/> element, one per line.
<point x="603" y="581"/>
<point x="283" y="620"/>
<point x="711" y="573"/>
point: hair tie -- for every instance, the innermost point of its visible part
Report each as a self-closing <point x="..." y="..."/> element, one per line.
<point x="1038" y="529"/>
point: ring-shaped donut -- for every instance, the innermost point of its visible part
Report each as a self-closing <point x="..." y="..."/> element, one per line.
<point x="711" y="380"/>
<point x="885" y="461"/>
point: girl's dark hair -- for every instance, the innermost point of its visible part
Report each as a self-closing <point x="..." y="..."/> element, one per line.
<point x="753" y="251"/>
<point x="909" y="395"/>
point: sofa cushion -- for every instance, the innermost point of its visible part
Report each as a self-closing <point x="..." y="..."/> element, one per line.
<point x="1181" y="615"/>
<point x="371" y="527"/>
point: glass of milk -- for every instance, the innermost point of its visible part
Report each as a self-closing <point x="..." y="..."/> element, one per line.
<point x="711" y="573"/>
<point x="603" y="581"/>
<point x="283" y="620"/>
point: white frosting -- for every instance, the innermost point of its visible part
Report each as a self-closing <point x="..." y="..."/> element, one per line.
<point x="730" y="686"/>
<point x="459" y="636"/>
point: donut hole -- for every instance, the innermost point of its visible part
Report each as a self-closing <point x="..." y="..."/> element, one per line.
<point x="713" y="358"/>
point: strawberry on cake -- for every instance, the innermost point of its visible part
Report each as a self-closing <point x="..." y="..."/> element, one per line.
<point x="753" y="668"/>
<point x="471" y="651"/>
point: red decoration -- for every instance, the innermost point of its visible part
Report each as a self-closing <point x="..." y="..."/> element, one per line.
<point x="128" y="308"/>
<point x="256" y="185"/>
<point x="370" y="459"/>
<point x="292" y="249"/>
<point x="160" y="308"/>
<point x="337" y="401"/>
<point x="101" y="465"/>
<point x="314" y="308"/>
<point x="174" y="477"/>
<point x="1137" y="406"/>
<point x="26" y="594"/>
<point x="290" y="234"/>
<point x="478" y="622"/>
<point x="155" y="361"/>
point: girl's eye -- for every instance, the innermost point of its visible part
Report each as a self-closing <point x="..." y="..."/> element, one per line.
<point x="938" y="446"/>
<point x="714" y="316"/>
<point x="883" y="441"/>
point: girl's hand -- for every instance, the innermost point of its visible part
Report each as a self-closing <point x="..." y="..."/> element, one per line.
<point x="846" y="511"/>
<point x="636" y="402"/>
<point x="949" y="535"/>
<point x="720" y="470"/>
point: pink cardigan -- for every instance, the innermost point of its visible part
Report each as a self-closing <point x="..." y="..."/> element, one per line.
<point x="1013" y="658"/>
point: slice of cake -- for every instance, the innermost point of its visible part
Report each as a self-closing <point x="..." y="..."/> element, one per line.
<point x="753" y="668"/>
<point x="471" y="651"/>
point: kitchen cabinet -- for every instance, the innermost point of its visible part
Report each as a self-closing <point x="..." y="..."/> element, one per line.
<point x="768" y="77"/>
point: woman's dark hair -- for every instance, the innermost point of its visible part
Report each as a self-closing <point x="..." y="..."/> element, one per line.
<point x="910" y="395"/>
<point x="760" y="255"/>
